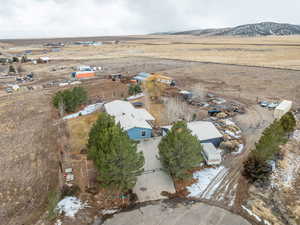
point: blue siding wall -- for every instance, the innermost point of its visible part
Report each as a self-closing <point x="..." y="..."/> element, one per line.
<point x="136" y="133"/>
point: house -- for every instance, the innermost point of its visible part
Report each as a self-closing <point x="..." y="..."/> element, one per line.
<point x="44" y="59"/>
<point x="141" y="77"/>
<point x="211" y="155"/>
<point x="205" y="131"/>
<point x="284" y="107"/>
<point x="83" y="74"/>
<point x="136" y="122"/>
<point x="84" y="68"/>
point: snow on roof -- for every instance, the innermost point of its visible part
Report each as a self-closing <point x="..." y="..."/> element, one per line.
<point x="284" y="105"/>
<point x="128" y="116"/>
<point x="211" y="153"/>
<point x="202" y="129"/>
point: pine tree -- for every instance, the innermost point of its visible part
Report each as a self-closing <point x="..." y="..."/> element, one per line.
<point x="288" y="122"/>
<point x="114" y="154"/>
<point x="180" y="151"/>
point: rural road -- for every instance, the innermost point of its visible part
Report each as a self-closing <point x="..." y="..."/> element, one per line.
<point x="161" y="214"/>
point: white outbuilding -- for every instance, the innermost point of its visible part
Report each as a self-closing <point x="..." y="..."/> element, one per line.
<point x="284" y="107"/>
<point x="211" y="155"/>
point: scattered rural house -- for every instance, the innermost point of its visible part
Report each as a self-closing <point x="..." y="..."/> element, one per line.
<point x="83" y="74"/>
<point x="211" y="155"/>
<point x="284" y="107"/>
<point x="83" y="68"/>
<point x="186" y="94"/>
<point x="161" y="78"/>
<point x="205" y="131"/>
<point x="135" y="121"/>
<point x="5" y="60"/>
<point x="142" y="77"/>
<point x="55" y="49"/>
<point x="44" y="59"/>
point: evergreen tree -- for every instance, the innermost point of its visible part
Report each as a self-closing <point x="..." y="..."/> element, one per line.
<point x="114" y="154"/>
<point x="288" y="122"/>
<point x="134" y="89"/>
<point x="180" y="151"/>
<point x="256" y="167"/>
<point x="70" y="99"/>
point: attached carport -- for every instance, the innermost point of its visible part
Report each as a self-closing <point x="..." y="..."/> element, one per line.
<point x="153" y="181"/>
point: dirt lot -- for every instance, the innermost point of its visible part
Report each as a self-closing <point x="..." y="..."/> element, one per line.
<point x="28" y="157"/>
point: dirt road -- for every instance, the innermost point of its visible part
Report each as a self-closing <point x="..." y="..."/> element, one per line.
<point x="225" y="185"/>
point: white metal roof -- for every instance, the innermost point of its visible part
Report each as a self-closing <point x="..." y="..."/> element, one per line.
<point x="127" y="122"/>
<point x="212" y="155"/>
<point x="284" y="105"/>
<point x="204" y="130"/>
<point x="143" y="114"/>
<point x="128" y="116"/>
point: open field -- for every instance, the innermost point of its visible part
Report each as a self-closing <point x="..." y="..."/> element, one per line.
<point x="242" y="69"/>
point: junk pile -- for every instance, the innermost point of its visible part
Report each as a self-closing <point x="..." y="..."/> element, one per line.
<point x="232" y="136"/>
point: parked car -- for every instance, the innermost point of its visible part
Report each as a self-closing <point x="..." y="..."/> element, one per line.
<point x="263" y="103"/>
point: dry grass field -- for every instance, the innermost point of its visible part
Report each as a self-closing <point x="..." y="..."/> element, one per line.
<point x="230" y="67"/>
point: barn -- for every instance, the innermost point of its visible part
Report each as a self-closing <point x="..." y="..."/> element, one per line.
<point x="136" y="122"/>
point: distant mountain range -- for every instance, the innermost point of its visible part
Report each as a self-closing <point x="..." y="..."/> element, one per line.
<point x="257" y="29"/>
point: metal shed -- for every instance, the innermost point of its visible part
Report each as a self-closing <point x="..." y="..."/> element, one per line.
<point x="211" y="155"/>
<point x="284" y="107"/>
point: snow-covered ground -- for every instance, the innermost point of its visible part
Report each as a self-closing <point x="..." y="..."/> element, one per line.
<point x="240" y="149"/>
<point x="70" y="206"/>
<point x="87" y="110"/>
<point x="204" y="178"/>
<point x="108" y="211"/>
<point x="58" y="222"/>
<point x="296" y="135"/>
<point x="286" y="176"/>
<point x="252" y="213"/>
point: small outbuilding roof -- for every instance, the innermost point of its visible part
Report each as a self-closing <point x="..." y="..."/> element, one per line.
<point x="211" y="154"/>
<point x="285" y="104"/>
<point x="203" y="130"/>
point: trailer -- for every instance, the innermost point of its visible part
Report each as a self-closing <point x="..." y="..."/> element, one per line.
<point x="284" y="107"/>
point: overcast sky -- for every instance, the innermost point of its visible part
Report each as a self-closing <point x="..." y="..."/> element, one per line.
<point x="58" y="18"/>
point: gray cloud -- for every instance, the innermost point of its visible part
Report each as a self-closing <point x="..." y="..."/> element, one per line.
<point x="57" y="18"/>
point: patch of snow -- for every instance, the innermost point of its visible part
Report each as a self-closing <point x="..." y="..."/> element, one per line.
<point x="70" y="206"/>
<point x="232" y="134"/>
<point x="204" y="178"/>
<point x="240" y="149"/>
<point x="229" y="122"/>
<point x="58" y="222"/>
<point x="296" y="135"/>
<point x="252" y="213"/>
<point x="286" y="176"/>
<point x="108" y="211"/>
<point x="208" y="193"/>
<point x="135" y="96"/>
<point x="87" y="110"/>
<point x="267" y="222"/>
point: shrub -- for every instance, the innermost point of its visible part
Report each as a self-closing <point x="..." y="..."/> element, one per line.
<point x="70" y="100"/>
<point x="134" y="89"/>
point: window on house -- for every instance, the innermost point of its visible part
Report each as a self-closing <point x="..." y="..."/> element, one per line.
<point x="143" y="133"/>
